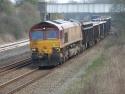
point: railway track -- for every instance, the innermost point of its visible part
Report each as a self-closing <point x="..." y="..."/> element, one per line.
<point x="13" y="66"/>
<point x="26" y="79"/>
<point x="13" y="45"/>
<point x="20" y="82"/>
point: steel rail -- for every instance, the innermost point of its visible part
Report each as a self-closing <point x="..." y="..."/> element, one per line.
<point x="30" y="82"/>
<point x="20" y="82"/>
<point x="14" y="65"/>
<point x="17" y="78"/>
<point x="13" y="45"/>
<point x="6" y="88"/>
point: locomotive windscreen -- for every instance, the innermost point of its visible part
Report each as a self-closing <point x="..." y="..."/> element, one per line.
<point x="37" y="35"/>
<point x="44" y="35"/>
<point x="51" y="34"/>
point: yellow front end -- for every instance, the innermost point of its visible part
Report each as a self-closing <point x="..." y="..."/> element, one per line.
<point x="45" y="46"/>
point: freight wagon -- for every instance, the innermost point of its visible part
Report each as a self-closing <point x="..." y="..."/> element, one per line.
<point x="87" y="34"/>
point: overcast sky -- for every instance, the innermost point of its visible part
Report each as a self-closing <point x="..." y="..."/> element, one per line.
<point x="12" y="1"/>
<point x="64" y="1"/>
<point x="60" y="1"/>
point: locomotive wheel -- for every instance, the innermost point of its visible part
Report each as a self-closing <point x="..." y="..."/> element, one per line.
<point x="62" y="60"/>
<point x="95" y="41"/>
<point x="81" y="49"/>
<point x="86" y="45"/>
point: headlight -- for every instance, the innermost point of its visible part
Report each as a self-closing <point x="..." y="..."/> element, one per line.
<point x="56" y="49"/>
<point x="33" y="49"/>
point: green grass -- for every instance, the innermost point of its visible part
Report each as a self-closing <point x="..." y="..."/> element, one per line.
<point x="84" y="85"/>
<point x="96" y="64"/>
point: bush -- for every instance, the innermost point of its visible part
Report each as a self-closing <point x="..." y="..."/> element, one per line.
<point x="17" y="20"/>
<point x="12" y="26"/>
<point x="28" y="14"/>
<point x="6" y="6"/>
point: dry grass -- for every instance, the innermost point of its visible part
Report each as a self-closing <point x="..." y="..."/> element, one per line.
<point x="86" y="85"/>
<point x="106" y="75"/>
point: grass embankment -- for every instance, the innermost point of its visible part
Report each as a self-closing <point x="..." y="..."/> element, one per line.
<point x="85" y="85"/>
<point x="105" y="75"/>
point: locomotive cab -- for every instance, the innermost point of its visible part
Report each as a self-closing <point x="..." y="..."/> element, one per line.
<point x="45" y="44"/>
<point x="44" y="41"/>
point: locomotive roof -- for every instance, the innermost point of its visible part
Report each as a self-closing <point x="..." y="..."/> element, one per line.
<point x="60" y="24"/>
<point x="60" y="21"/>
<point x="63" y="24"/>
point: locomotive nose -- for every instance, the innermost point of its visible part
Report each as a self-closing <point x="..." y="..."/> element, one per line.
<point x="46" y="50"/>
<point x="46" y="46"/>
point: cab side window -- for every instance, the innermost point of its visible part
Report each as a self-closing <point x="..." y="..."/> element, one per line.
<point x="65" y="37"/>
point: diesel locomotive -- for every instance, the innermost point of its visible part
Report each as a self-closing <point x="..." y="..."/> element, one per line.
<point x="54" y="42"/>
